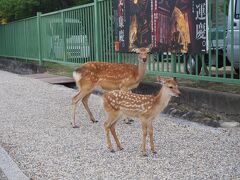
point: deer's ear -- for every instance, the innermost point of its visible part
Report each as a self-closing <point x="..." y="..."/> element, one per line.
<point x="160" y="80"/>
<point x="174" y="78"/>
<point x="148" y="48"/>
<point x="136" y="50"/>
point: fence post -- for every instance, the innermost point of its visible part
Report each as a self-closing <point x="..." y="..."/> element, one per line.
<point x="39" y="37"/>
<point x="96" y="29"/>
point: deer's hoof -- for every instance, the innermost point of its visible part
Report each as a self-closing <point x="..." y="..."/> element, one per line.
<point x="112" y="151"/>
<point x="154" y="152"/>
<point x="120" y="148"/>
<point x="144" y="154"/>
<point x="93" y="120"/>
<point x="75" y="126"/>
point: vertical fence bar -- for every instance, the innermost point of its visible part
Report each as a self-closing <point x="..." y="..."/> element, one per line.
<point x="217" y="28"/>
<point x="210" y="36"/>
<point x="4" y="40"/>
<point x="63" y="35"/>
<point x="76" y="32"/>
<point x="81" y="30"/>
<point x="112" y="36"/>
<point x="109" y="32"/>
<point x="88" y="30"/>
<point x="179" y="63"/>
<point x="173" y="62"/>
<point x="102" y="38"/>
<point x="91" y="36"/>
<point x="105" y="31"/>
<point x="100" y="32"/>
<point x="232" y="38"/>
<point x="224" y="38"/>
<point x="39" y="37"/>
<point x="162" y="61"/>
<point x="203" y="64"/>
<point x="167" y="62"/>
<point x="149" y="63"/>
<point x="190" y="59"/>
<point x="238" y="6"/>
<point x="103" y="42"/>
<point x="197" y="61"/>
<point x="96" y="29"/>
<point x="26" y="40"/>
<point x="14" y="40"/>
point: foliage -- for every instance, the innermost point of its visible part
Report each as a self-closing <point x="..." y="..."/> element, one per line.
<point x="18" y="9"/>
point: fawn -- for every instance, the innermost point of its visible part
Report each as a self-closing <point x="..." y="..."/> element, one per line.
<point x="144" y="107"/>
<point x="108" y="76"/>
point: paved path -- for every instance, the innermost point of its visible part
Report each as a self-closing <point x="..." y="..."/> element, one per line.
<point x="35" y="130"/>
<point x="9" y="169"/>
<point x="2" y="175"/>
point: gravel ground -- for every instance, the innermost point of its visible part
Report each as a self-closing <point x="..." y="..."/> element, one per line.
<point x="35" y="130"/>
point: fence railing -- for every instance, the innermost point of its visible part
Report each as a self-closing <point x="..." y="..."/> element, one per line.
<point x="85" y="33"/>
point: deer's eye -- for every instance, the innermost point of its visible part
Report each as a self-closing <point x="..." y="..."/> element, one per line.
<point x="170" y="87"/>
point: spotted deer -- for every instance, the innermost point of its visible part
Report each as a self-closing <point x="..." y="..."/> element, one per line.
<point x="108" y="76"/>
<point x="120" y="103"/>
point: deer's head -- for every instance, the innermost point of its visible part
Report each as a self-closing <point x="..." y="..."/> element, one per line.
<point x="170" y="84"/>
<point x="142" y="54"/>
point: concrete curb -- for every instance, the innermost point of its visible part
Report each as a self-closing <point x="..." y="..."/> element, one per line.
<point x="19" y="66"/>
<point x="220" y="102"/>
<point x="10" y="168"/>
<point x="223" y="103"/>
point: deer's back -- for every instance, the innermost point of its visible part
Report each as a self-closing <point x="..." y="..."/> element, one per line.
<point x="133" y="105"/>
<point x="109" y="76"/>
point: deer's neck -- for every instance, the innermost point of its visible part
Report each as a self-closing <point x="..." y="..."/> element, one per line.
<point x="162" y="98"/>
<point x="141" y="70"/>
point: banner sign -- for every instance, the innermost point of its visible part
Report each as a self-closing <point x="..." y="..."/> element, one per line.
<point x="177" y="26"/>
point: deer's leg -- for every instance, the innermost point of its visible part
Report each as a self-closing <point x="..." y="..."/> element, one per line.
<point x="79" y="96"/>
<point x="85" y="104"/>
<point x="74" y="103"/>
<point x="115" y="136"/>
<point x="108" y="125"/>
<point x="150" y="130"/>
<point x="107" y="130"/>
<point x="144" y="129"/>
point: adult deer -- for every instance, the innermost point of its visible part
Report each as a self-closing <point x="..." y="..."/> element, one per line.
<point x="144" y="107"/>
<point x="108" y="76"/>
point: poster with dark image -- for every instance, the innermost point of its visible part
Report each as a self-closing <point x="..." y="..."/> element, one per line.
<point x="177" y="26"/>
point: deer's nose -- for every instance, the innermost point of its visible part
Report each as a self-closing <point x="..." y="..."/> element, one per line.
<point x="144" y="59"/>
<point x="178" y="93"/>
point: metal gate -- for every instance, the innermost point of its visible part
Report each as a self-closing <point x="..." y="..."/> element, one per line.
<point x="85" y="33"/>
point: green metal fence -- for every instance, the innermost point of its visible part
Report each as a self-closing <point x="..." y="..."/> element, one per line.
<point x="85" y="33"/>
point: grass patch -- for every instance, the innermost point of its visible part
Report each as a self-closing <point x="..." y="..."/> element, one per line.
<point x="66" y="70"/>
<point x="59" y="69"/>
